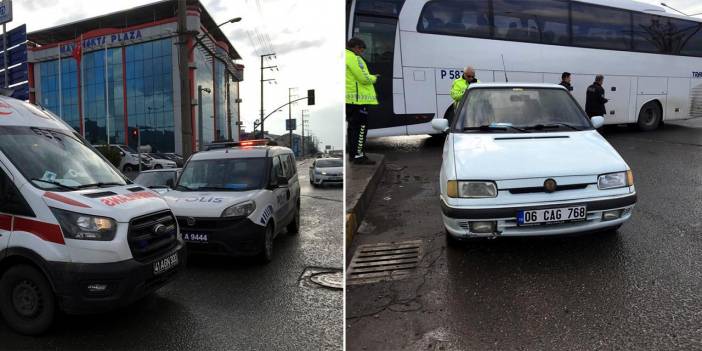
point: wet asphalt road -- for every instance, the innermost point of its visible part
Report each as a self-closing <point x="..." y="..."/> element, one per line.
<point x="638" y="290"/>
<point x="228" y="304"/>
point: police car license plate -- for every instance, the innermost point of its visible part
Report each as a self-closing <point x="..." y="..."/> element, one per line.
<point x="195" y="237"/>
<point x="165" y="264"/>
<point x="551" y="215"/>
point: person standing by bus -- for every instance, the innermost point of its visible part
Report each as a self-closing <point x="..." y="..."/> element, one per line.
<point x="359" y="94"/>
<point x="461" y="84"/>
<point x="565" y="81"/>
<point x="595" y="98"/>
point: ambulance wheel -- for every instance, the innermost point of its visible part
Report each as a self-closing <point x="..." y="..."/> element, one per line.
<point x="266" y="254"/>
<point x="28" y="304"/>
<point x="294" y="225"/>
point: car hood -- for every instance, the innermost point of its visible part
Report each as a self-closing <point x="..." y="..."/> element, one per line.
<point x="206" y="203"/>
<point x="337" y="170"/>
<point x="122" y="203"/>
<point x="514" y="156"/>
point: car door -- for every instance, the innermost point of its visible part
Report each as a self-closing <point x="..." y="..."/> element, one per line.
<point x="11" y="204"/>
<point x="293" y="181"/>
<point x="280" y="192"/>
<point x="314" y="163"/>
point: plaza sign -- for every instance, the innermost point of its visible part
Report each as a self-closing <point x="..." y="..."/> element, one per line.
<point x="100" y="41"/>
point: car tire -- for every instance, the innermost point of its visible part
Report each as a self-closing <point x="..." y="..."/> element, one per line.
<point x="158" y="167"/>
<point x="650" y="116"/>
<point x="293" y="227"/>
<point x="129" y="168"/>
<point x="266" y="254"/>
<point x="28" y="304"/>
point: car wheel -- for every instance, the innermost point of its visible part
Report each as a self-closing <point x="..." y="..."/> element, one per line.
<point x="28" y="304"/>
<point x="128" y="168"/>
<point x="266" y="254"/>
<point x="158" y="167"/>
<point x="294" y="226"/>
<point x="649" y="116"/>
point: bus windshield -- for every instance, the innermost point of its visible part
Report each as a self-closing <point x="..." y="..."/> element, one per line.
<point x="510" y="109"/>
<point x="59" y="160"/>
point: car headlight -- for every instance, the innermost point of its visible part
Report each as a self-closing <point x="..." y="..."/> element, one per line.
<point x="324" y="173"/>
<point x="471" y="189"/>
<point x="81" y="226"/>
<point x="240" y="210"/>
<point x="615" y="180"/>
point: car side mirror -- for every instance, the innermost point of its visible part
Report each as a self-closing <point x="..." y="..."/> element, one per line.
<point x="597" y="121"/>
<point x="169" y="183"/>
<point x="121" y="153"/>
<point x="440" y="124"/>
<point x="282" y="181"/>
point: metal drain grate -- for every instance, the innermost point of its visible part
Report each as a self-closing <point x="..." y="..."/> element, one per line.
<point x="386" y="261"/>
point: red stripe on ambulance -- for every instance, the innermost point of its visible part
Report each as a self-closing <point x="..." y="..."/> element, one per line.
<point x="120" y="199"/>
<point x="46" y="231"/>
<point x="64" y="199"/>
<point x="5" y="222"/>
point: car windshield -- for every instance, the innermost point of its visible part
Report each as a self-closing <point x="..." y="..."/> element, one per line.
<point x="239" y="174"/>
<point x="520" y="110"/>
<point x="156" y="179"/>
<point x="329" y="163"/>
<point x="58" y="160"/>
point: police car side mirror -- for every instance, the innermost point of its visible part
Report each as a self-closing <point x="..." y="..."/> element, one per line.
<point x="440" y="124"/>
<point x="597" y="121"/>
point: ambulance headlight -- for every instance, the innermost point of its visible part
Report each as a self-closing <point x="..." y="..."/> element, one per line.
<point x="240" y="210"/>
<point x="85" y="227"/>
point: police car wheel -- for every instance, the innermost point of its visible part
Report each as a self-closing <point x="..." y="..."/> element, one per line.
<point x="294" y="225"/>
<point x="266" y="254"/>
<point x="28" y="304"/>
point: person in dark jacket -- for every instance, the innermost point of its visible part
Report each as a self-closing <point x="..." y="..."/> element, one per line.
<point x="595" y="99"/>
<point x="565" y="81"/>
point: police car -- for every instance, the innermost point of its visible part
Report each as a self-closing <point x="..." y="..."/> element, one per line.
<point x="236" y="198"/>
<point x="75" y="234"/>
<point x="523" y="160"/>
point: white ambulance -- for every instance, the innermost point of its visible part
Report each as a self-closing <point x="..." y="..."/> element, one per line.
<point x="236" y="199"/>
<point x="75" y="234"/>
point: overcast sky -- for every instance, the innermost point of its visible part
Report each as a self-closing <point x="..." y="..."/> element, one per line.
<point x="307" y="36"/>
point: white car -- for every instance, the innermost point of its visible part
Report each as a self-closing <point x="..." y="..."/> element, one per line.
<point x="524" y="159"/>
<point x="234" y="200"/>
<point x="156" y="162"/>
<point x="327" y="171"/>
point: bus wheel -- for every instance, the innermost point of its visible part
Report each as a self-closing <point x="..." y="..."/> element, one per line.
<point x="650" y="116"/>
<point x="28" y="304"/>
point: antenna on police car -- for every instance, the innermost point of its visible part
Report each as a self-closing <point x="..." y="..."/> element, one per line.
<point x="504" y="68"/>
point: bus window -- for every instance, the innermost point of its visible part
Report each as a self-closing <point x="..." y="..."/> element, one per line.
<point x="456" y="18"/>
<point x="649" y="33"/>
<point x="693" y="47"/>
<point x="544" y="21"/>
<point x="684" y="37"/>
<point x="600" y="27"/>
<point x="379" y="7"/>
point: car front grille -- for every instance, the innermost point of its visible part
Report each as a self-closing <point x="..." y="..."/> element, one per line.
<point x="152" y="235"/>
<point x="541" y="189"/>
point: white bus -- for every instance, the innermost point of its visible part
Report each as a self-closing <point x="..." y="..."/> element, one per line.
<point x="651" y="59"/>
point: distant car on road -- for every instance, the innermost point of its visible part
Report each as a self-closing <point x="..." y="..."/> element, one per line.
<point x="524" y="159"/>
<point x="159" y="180"/>
<point x="158" y="161"/>
<point x="327" y="171"/>
<point x="129" y="157"/>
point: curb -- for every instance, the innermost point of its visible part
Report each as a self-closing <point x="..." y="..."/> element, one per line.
<point x="357" y="210"/>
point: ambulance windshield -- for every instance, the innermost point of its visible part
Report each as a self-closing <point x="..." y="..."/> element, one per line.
<point x="56" y="160"/>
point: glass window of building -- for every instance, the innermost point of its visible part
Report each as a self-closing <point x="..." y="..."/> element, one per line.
<point x="220" y="92"/>
<point x="203" y="77"/>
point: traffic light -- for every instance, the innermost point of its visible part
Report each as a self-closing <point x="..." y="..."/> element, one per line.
<point x="135" y="132"/>
<point x="310" y="97"/>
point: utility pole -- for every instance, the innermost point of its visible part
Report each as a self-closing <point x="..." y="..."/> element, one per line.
<point x="290" y="98"/>
<point x="183" y="70"/>
<point x="304" y="121"/>
<point x="264" y="80"/>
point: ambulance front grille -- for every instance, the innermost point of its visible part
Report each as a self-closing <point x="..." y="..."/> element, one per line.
<point x="152" y="235"/>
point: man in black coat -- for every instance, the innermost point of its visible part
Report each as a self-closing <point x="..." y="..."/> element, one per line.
<point x="565" y="81"/>
<point x="595" y="99"/>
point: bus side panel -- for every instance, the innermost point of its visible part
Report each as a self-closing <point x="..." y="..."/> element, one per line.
<point x="420" y="89"/>
<point x="398" y="96"/>
<point x="617" y="90"/>
<point x="519" y="77"/>
<point x="678" y="99"/>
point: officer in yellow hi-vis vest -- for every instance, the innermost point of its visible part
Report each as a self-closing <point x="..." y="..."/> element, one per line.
<point x="359" y="94"/>
<point x="461" y="84"/>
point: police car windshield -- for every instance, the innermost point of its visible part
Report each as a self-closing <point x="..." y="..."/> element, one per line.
<point x="515" y="110"/>
<point x="240" y="174"/>
<point x="156" y="179"/>
<point x="55" y="160"/>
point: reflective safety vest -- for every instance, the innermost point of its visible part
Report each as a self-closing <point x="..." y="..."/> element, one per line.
<point x="458" y="88"/>
<point x="359" y="82"/>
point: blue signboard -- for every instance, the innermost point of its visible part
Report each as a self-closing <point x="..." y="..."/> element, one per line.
<point x="290" y="124"/>
<point x="17" y="57"/>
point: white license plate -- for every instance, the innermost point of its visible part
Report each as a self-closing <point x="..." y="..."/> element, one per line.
<point x="165" y="264"/>
<point x="551" y="215"/>
<point x="195" y="237"/>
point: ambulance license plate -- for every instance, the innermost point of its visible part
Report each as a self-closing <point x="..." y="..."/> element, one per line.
<point x="165" y="263"/>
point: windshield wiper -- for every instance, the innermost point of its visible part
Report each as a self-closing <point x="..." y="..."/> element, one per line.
<point x="52" y="182"/>
<point x="491" y="127"/>
<point x="552" y="126"/>
<point x="99" y="185"/>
